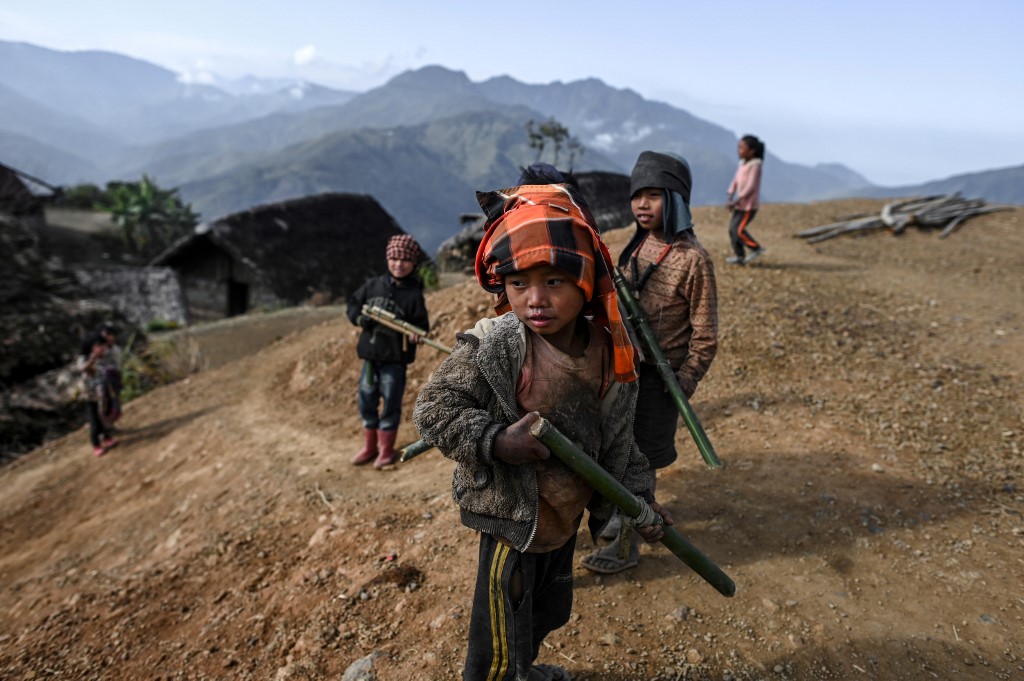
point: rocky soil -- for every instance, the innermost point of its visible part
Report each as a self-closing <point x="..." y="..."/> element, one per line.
<point x="866" y="400"/>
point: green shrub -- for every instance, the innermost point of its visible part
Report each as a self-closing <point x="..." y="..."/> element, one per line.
<point x="162" y="325"/>
<point x="158" y="363"/>
<point x="428" y="275"/>
<point x="85" y="196"/>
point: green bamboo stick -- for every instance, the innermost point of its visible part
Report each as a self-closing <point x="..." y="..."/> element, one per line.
<point x="613" y="490"/>
<point x="388" y="319"/>
<point x="412" y="450"/>
<point x="636" y="317"/>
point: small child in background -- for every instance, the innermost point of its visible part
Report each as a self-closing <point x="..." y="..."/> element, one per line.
<point x="559" y="350"/>
<point x="746" y="186"/>
<point x="90" y="364"/>
<point x="385" y="352"/>
<point x="112" y="378"/>
<point x="673" y="278"/>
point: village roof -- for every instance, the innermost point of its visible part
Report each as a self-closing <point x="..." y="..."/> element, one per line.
<point x="16" y="196"/>
<point x="607" y="195"/>
<point x="327" y="242"/>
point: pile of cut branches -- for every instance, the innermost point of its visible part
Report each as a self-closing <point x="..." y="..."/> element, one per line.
<point x="931" y="212"/>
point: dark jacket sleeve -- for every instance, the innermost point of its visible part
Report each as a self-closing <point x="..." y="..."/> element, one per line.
<point x="700" y="288"/>
<point x="356" y="302"/>
<point x="419" y="316"/>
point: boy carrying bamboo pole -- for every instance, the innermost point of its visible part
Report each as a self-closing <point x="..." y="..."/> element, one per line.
<point x="673" y="279"/>
<point x="385" y="351"/>
<point x="559" y="349"/>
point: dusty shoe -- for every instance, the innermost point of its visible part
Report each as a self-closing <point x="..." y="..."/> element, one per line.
<point x="386" y="454"/>
<point x="735" y="260"/>
<point x="548" y="672"/>
<point x="753" y="255"/>
<point x="369" y="450"/>
<point x="98" y="451"/>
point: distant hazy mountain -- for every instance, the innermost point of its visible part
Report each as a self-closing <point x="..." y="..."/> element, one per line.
<point x="620" y="123"/>
<point x="421" y="144"/>
<point x="97" y="86"/>
<point x="1002" y="185"/>
<point x="424" y="175"/>
<point x="50" y="164"/>
<point x="25" y="117"/>
<point x="135" y="102"/>
<point x="184" y="131"/>
<point x="613" y="124"/>
<point x="408" y="99"/>
<point x="250" y="86"/>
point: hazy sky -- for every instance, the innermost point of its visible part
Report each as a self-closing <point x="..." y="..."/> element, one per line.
<point x="899" y="91"/>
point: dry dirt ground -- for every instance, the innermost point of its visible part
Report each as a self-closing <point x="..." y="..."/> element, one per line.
<point x="866" y="400"/>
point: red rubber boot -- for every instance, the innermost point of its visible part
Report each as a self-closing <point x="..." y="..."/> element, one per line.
<point x="386" y="455"/>
<point x="369" y="450"/>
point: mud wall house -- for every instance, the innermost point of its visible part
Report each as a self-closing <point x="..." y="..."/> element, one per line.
<point x="141" y="294"/>
<point x="281" y="254"/>
<point x="216" y="280"/>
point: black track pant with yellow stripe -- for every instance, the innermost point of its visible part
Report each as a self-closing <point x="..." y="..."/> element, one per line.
<point x="520" y="598"/>
<point x="738" y="234"/>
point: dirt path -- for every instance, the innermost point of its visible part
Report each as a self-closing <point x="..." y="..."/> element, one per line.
<point x="866" y="400"/>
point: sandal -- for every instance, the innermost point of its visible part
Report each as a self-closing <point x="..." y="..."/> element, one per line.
<point x="611" y="529"/>
<point x="606" y="561"/>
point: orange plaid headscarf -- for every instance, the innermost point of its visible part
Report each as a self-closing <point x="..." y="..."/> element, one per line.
<point x="551" y="225"/>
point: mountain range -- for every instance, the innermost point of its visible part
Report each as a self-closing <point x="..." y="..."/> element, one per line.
<point x="421" y="143"/>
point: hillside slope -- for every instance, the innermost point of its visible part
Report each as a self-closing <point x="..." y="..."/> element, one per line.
<point x="866" y="402"/>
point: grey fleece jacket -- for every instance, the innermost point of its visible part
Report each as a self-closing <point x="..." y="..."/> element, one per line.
<point x="471" y="397"/>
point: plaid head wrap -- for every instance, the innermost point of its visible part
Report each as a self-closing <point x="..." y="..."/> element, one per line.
<point x="551" y="225"/>
<point x="403" y="247"/>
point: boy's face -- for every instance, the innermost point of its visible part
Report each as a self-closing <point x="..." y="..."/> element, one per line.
<point x="547" y="301"/>
<point x="400" y="269"/>
<point x="648" y="207"/>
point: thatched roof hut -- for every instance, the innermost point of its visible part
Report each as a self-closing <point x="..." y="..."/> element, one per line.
<point x="281" y="254"/>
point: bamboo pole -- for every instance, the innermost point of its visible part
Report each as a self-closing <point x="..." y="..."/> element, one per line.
<point x="611" y="489"/>
<point x="638" y="319"/>
<point x="385" y="318"/>
<point x="412" y="450"/>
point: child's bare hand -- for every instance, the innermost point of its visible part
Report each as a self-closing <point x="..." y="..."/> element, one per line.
<point x="654" y="533"/>
<point x="688" y="385"/>
<point x="515" y="445"/>
<point x="415" y="340"/>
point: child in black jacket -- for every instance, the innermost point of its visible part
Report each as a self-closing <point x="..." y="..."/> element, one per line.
<point x="385" y="352"/>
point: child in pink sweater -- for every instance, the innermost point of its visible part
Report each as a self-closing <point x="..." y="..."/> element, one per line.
<point x="746" y="186"/>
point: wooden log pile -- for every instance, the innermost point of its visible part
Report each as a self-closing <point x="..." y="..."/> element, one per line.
<point x="945" y="212"/>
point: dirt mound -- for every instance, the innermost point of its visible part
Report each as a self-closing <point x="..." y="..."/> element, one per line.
<point x="866" y="400"/>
